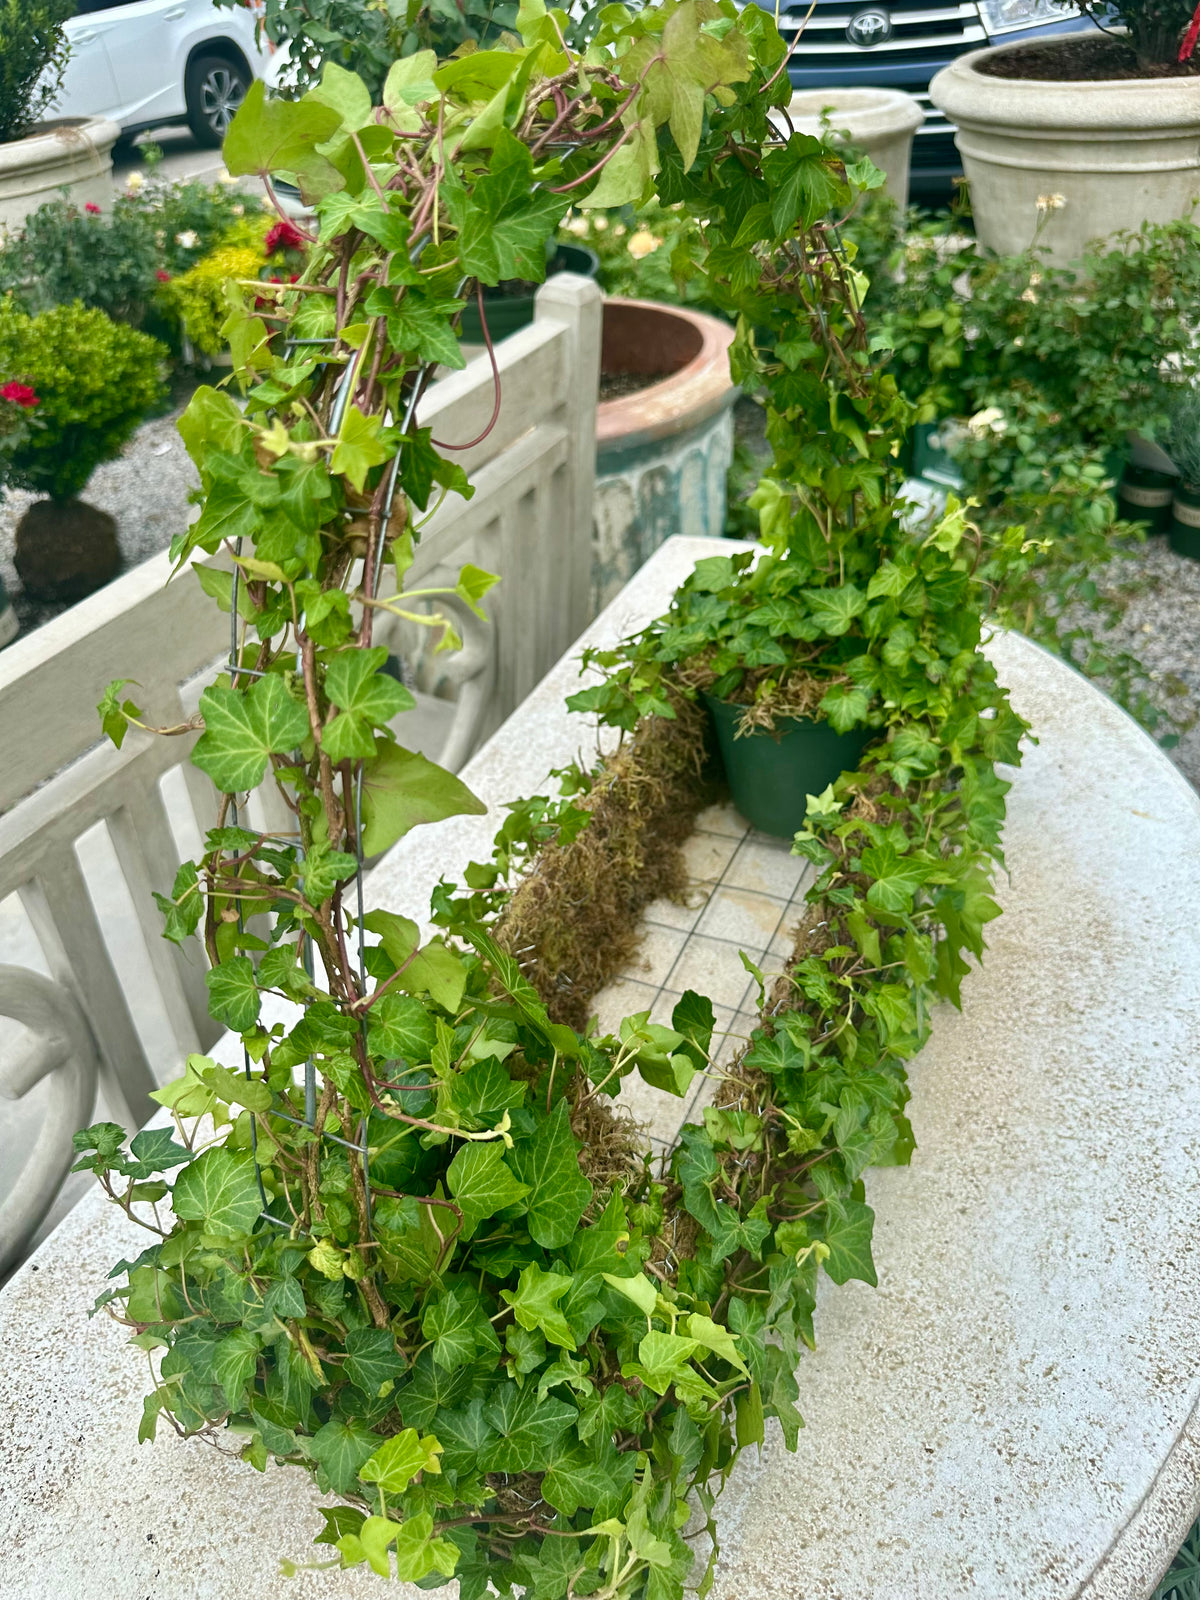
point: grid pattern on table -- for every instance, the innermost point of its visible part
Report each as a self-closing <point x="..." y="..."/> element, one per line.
<point x="745" y="892"/>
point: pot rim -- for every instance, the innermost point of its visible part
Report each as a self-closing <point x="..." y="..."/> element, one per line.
<point x="679" y="402"/>
<point x="56" y="143"/>
<point x="1115" y="107"/>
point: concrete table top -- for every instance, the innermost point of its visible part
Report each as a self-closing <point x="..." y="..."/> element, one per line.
<point x="1011" y="1414"/>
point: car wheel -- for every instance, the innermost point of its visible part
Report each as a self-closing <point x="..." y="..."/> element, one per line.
<point x="214" y="89"/>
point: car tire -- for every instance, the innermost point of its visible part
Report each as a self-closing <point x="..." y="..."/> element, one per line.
<point x="213" y="89"/>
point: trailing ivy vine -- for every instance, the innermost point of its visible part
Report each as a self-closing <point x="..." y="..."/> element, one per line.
<point x="412" y="1248"/>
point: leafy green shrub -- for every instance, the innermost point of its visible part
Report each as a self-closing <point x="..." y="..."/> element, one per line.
<point x="197" y="299"/>
<point x="1182" y="435"/>
<point x="188" y="219"/>
<point x="367" y="37"/>
<point x="95" y="380"/>
<point x="33" y="54"/>
<point x="63" y="254"/>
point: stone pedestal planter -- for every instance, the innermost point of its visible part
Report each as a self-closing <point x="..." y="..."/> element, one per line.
<point x="1120" y="152"/>
<point x="879" y="122"/>
<point x="663" y="451"/>
<point x="73" y="154"/>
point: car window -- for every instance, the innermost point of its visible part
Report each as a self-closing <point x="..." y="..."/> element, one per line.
<point x="84" y="8"/>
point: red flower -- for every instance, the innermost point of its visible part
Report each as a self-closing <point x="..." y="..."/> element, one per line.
<point x="283" y="236"/>
<point x="20" y="394"/>
<point x="163" y="277"/>
<point x="1190" y="37"/>
<point x="92" y="209"/>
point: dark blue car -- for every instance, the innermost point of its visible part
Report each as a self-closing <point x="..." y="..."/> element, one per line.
<point x="901" y="44"/>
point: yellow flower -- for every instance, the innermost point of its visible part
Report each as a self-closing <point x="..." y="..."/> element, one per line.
<point x="642" y="243"/>
<point x="135" y="182"/>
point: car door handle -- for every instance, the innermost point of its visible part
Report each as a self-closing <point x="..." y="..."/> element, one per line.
<point x="85" y="37"/>
<point x="173" y="16"/>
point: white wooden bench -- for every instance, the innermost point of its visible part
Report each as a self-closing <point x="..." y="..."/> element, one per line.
<point x="1012" y="1413"/>
<point x="87" y="831"/>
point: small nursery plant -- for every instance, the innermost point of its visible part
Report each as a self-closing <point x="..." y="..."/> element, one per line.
<point x="412" y="1248"/>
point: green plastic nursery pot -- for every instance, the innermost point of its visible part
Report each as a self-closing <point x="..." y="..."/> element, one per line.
<point x="1145" y="495"/>
<point x="1184" y="531"/>
<point x="771" y="775"/>
<point x="509" y="306"/>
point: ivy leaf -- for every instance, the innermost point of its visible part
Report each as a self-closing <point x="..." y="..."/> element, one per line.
<point x="345" y="93"/>
<point x="804" y="186"/>
<point x="848" y="1228"/>
<point x="220" y="1190"/>
<point x="234" y="1363"/>
<point x="419" y="1555"/>
<point x="114" y="716"/>
<point x="599" y="1481"/>
<point x="482" y="1184"/>
<point x="435" y="970"/>
<point x="896" y="878"/>
<point x="402" y="790"/>
<point x="367" y="697"/>
<point x="400" y="1028"/>
<point x="371" y="1356"/>
<point x="359" y="447"/>
<point x="340" y="1449"/>
<point x="558" y="1191"/>
<point x="396" y="1463"/>
<point x="834" y="609"/>
<point x="535" y="1304"/>
<point x="845" y="706"/>
<point x="155" y="1150"/>
<point x="233" y="996"/>
<point x="459" y="1330"/>
<point x="273" y="135"/>
<point x="527" y="1429"/>
<point x="712" y="1336"/>
<point x="243" y="728"/>
<point x="182" y="912"/>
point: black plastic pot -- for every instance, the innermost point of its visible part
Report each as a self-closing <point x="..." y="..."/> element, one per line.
<point x="510" y="306"/>
<point x="1145" y="495"/>
<point x="1185" y="520"/>
<point x="771" y="775"/>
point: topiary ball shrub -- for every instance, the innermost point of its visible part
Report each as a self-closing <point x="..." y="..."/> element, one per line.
<point x="33" y="55"/>
<point x="94" y="380"/>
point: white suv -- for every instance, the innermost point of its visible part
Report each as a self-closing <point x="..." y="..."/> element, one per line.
<point x="144" y="63"/>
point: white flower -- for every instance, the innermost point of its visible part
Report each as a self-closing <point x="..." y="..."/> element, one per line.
<point x="600" y="224"/>
<point x="1030" y="295"/>
<point x="578" y="226"/>
<point x="642" y="243"/>
<point x="226" y="177"/>
<point x="990" y="420"/>
<point x="237" y="211"/>
<point x="1051" y="202"/>
<point x="135" y="182"/>
<point x="188" y="240"/>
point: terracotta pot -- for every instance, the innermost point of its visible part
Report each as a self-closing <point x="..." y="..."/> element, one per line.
<point x="663" y="451"/>
<point x="65" y="550"/>
<point x="1120" y="151"/>
<point x="74" y="153"/>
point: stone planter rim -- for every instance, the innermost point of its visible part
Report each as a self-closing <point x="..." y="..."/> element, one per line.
<point x="680" y="401"/>
<point x="1107" y="108"/>
<point x="52" y="143"/>
<point x="869" y="111"/>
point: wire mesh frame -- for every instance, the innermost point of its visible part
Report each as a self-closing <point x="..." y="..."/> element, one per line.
<point x="371" y="581"/>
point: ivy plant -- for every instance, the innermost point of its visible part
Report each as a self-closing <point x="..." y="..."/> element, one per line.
<point x="409" y="1248"/>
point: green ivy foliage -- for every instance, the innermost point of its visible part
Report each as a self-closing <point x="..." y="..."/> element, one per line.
<point x="409" y="1249"/>
<point x="33" y="57"/>
<point x="95" y="380"/>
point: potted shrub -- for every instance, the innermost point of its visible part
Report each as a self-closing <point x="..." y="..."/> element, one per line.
<point x="1088" y="133"/>
<point x="39" y="157"/>
<point x="1183" y="446"/>
<point x="92" y="381"/>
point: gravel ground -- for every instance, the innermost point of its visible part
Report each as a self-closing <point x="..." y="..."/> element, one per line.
<point x="1159" y="595"/>
<point x="145" y="489"/>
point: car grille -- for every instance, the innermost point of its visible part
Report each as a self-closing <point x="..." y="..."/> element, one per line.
<point x="916" y="25"/>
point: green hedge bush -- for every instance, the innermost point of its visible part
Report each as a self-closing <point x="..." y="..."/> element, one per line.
<point x="33" y="54"/>
<point x="95" y="380"/>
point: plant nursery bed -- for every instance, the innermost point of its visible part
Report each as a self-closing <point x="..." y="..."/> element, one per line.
<point x="1032" y="1423"/>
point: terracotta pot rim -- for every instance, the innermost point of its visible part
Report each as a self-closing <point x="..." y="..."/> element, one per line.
<point x="678" y="402"/>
